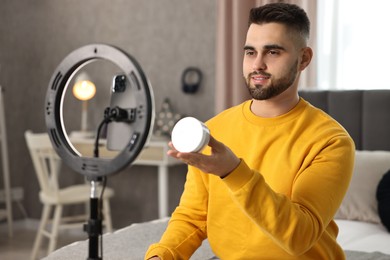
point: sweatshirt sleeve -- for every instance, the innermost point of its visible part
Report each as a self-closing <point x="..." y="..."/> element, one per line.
<point x="187" y="227"/>
<point x="296" y="221"/>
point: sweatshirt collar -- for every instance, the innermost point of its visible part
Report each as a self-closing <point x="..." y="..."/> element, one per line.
<point x="290" y="115"/>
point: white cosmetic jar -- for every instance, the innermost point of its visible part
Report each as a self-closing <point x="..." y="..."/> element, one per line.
<point x="190" y="135"/>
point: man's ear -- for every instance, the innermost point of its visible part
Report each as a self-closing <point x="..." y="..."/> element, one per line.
<point x="307" y="54"/>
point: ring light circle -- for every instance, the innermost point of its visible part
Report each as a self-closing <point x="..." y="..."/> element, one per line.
<point x="90" y="166"/>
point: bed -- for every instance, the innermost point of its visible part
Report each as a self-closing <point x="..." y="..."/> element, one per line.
<point x="363" y="219"/>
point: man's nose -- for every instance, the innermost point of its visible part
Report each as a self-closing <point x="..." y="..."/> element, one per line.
<point x="258" y="63"/>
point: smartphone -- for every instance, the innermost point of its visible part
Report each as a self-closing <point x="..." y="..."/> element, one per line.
<point x="122" y="96"/>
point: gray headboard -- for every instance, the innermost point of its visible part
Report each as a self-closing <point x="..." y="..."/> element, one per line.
<point x="364" y="113"/>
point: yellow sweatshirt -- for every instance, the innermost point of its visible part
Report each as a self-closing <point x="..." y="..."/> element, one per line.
<point x="280" y="201"/>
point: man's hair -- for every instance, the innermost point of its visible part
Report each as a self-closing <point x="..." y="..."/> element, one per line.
<point x="289" y="15"/>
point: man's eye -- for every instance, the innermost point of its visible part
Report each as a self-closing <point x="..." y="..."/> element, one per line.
<point x="272" y="52"/>
<point x="249" y="53"/>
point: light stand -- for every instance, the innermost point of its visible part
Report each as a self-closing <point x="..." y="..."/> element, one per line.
<point x="137" y="130"/>
<point x="94" y="225"/>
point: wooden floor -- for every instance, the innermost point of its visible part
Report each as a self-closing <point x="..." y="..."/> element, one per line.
<point x="19" y="246"/>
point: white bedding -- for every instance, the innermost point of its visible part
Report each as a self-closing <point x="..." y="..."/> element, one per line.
<point x="360" y="240"/>
<point x="363" y="236"/>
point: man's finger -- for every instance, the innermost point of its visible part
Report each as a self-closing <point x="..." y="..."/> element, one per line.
<point x="214" y="143"/>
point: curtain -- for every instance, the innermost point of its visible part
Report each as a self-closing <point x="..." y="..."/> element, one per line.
<point x="232" y="25"/>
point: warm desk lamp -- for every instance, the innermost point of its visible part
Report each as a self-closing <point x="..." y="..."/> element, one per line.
<point x="84" y="90"/>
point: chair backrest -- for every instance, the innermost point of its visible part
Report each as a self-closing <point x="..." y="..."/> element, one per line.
<point x="45" y="160"/>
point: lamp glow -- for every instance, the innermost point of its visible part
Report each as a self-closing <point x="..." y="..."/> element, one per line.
<point x="84" y="89"/>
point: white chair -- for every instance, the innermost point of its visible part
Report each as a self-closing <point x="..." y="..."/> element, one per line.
<point x="7" y="212"/>
<point x="47" y="165"/>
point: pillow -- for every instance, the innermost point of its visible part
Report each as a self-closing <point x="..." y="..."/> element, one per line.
<point x="383" y="197"/>
<point x="360" y="201"/>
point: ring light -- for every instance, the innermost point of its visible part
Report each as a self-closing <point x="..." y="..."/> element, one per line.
<point x="142" y="104"/>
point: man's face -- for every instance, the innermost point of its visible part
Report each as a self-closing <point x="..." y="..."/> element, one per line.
<point x="271" y="59"/>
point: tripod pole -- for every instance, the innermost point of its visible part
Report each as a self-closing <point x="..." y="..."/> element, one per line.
<point x="94" y="226"/>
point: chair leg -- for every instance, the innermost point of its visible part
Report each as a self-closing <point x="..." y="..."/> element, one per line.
<point x="41" y="230"/>
<point x="55" y="227"/>
<point x="107" y="215"/>
<point x="87" y="207"/>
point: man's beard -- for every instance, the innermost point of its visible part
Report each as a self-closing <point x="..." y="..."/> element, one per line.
<point x="259" y="92"/>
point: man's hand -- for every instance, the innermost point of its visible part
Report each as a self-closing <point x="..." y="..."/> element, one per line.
<point x="155" y="258"/>
<point x="221" y="162"/>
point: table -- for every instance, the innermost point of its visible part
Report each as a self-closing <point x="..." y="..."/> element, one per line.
<point x="154" y="153"/>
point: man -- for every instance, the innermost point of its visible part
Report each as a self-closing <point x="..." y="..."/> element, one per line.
<point x="272" y="183"/>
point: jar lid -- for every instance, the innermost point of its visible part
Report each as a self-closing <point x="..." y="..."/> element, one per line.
<point x="190" y="135"/>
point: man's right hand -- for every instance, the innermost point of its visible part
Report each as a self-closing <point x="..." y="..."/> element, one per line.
<point x="221" y="162"/>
